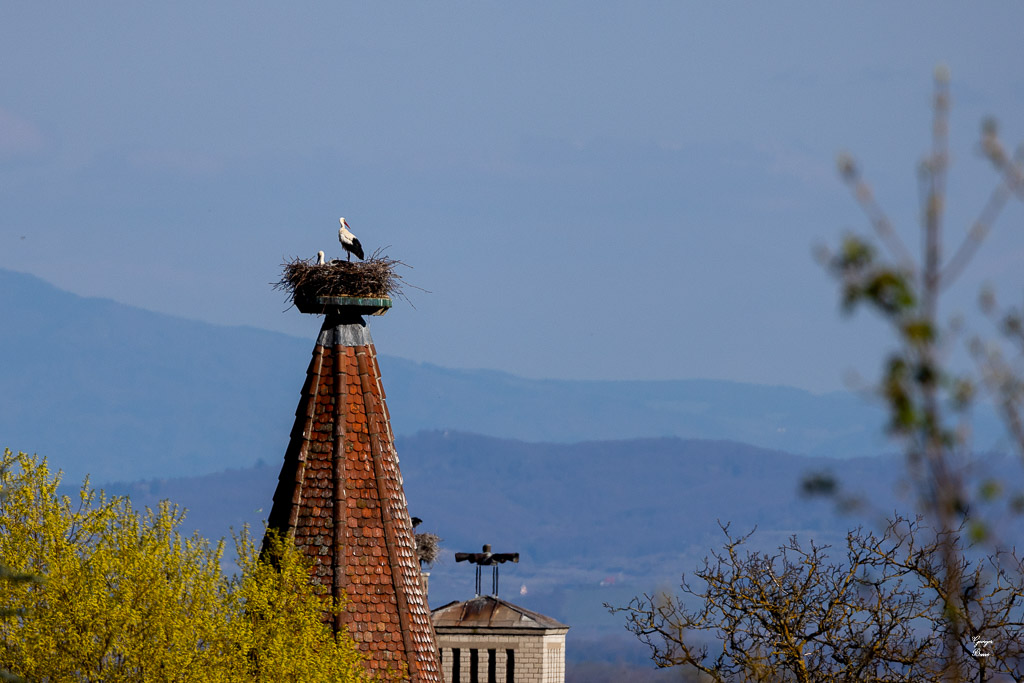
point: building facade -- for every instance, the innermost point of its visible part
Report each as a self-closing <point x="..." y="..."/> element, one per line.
<point x="490" y="640"/>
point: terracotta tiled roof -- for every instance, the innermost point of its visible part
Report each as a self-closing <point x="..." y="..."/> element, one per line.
<point x="489" y="611"/>
<point x="340" y="495"/>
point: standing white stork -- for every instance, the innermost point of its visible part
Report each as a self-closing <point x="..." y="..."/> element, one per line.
<point x="349" y="241"/>
<point x="320" y="258"/>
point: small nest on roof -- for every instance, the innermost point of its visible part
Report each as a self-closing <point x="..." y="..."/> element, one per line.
<point x="374" y="277"/>
<point x="428" y="548"/>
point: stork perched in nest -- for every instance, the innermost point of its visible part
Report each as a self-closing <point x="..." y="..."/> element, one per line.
<point x="349" y="241"/>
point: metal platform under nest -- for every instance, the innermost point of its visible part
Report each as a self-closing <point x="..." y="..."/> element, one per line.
<point x="343" y="305"/>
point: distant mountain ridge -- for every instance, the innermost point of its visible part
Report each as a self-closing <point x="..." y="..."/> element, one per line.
<point x="124" y="393"/>
<point x="593" y="522"/>
<point x="837" y="424"/>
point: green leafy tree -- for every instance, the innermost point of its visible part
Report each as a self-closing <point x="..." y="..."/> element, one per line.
<point x="11" y="577"/>
<point x="128" y="598"/>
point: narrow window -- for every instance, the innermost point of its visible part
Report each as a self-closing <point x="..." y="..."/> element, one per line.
<point x="456" y="665"/>
<point x="510" y="666"/>
<point x="492" y="666"/>
<point x="474" y="665"/>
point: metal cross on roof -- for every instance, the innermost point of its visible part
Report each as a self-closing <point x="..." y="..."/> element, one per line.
<point x="487" y="559"/>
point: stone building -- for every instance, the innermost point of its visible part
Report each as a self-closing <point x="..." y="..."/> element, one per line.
<point x="489" y="640"/>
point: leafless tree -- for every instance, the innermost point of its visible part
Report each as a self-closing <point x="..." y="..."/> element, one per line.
<point x="878" y="613"/>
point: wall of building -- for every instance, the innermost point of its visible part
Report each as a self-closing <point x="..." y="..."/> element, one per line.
<point x="554" y="659"/>
<point x="537" y="657"/>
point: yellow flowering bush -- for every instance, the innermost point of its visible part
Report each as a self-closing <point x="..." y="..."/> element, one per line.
<point x="124" y="596"/>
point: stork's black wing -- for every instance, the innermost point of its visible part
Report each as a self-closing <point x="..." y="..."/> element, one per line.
<point x="356" y="248"/>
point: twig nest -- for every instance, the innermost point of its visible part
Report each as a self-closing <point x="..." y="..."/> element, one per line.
<point x="428" y="548"/>
<point x="304" y="279"/>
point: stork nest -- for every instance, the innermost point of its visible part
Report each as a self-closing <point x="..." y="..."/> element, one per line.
<point x="428" y="548"/>
<point x="373" y="277"/>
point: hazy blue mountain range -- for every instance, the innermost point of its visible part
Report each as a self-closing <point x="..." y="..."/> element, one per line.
<point x="594" y="522"/>
<point x="124" y="393"/>
<point x="589" y="519"/>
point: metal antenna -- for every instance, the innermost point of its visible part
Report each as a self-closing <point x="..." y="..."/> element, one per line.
<point x="487" y="559"/>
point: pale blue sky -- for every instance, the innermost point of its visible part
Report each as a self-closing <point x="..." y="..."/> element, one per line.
<point x="588" y="190"/>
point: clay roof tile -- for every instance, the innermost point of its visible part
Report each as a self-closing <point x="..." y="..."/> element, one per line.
<point x="342" y="412"/>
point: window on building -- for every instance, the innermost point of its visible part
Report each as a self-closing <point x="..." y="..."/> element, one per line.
<point x="456" y="665"/>
<point x="492" y="666"/>
<point x="474" y="666"/>
<point x="510" y="666"/>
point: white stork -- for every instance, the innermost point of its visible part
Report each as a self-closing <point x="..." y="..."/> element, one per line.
<point x="320" y="258"/>
<point x="349" y="241"/>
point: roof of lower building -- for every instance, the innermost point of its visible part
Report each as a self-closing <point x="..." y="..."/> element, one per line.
<point x="489" y="611"/>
